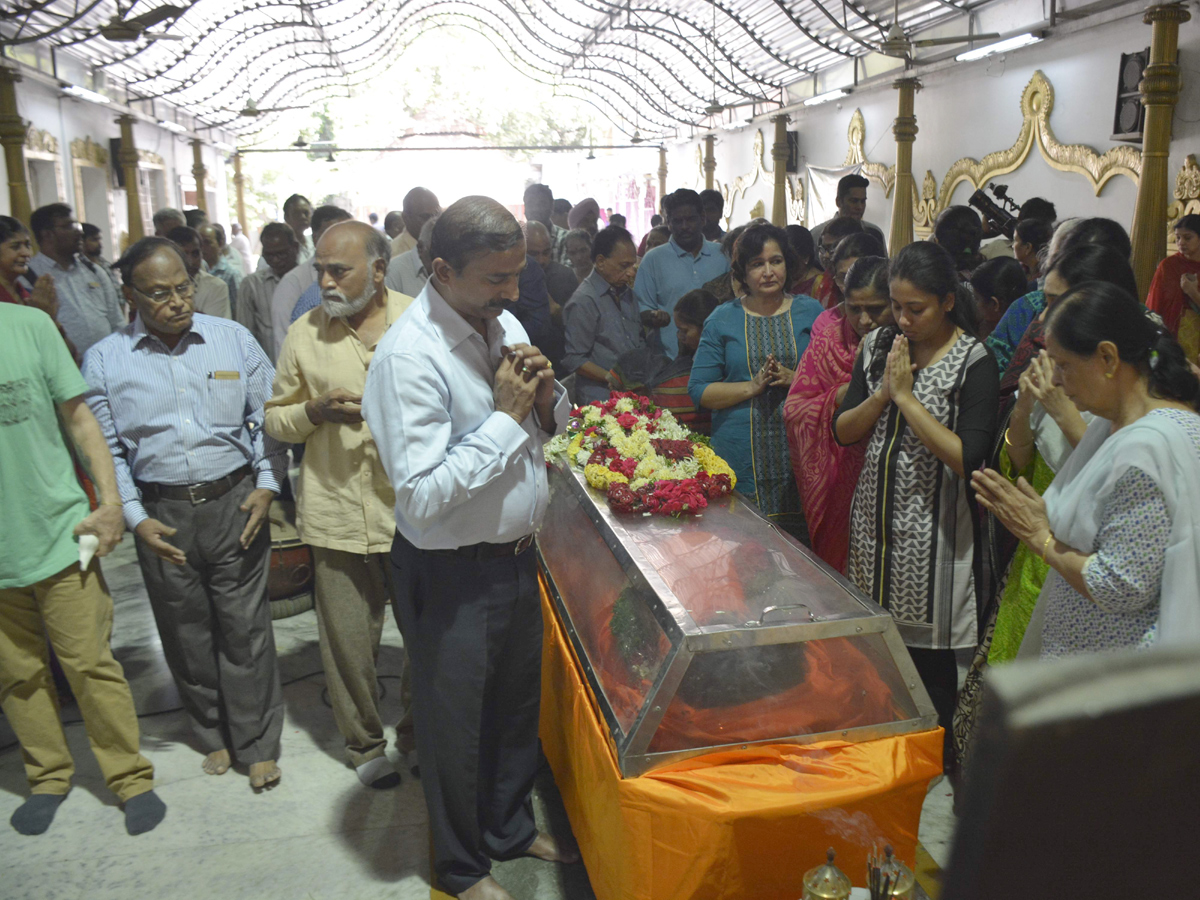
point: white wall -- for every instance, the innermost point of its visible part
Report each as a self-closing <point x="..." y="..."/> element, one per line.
<point x="69" y="119"/>
<point x="973" y="109"/>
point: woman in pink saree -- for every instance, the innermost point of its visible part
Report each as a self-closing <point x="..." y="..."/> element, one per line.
<point x="826" y="472"/>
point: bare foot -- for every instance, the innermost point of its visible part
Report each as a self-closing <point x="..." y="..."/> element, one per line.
<point x="216" y="763"/>
<point x="485" y="889"/>
<point x="264" y="775"/>
<point x="546" y="846"/>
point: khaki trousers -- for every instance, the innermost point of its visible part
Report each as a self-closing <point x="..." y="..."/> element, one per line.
<point x="351" y="598"/>
<point x="74" y="610"/>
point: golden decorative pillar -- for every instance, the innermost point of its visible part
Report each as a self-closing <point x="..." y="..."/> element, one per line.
<point x="779" y="153"/>
<point x="239" y="184"/>
<point x="200" y="174"/>
<point x="710" y="161"/>
<point x="1160" y="90"/>
<point x="13" y="131"/>
<point x="128" y="158"/>
<point x="905" y="131"/>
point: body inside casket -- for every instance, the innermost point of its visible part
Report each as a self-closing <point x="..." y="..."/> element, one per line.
<point x="704" y="632"/>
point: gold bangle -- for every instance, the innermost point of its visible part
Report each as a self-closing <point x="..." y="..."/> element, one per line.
<point x="1046" y="545"/>
<point x="110" y="503"/>
<point x="1008" y="441"/>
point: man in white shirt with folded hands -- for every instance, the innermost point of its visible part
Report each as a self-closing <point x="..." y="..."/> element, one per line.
<point x="460" y="405"/>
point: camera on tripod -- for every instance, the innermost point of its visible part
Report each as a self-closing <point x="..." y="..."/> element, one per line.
<point x="1002" y="217"/>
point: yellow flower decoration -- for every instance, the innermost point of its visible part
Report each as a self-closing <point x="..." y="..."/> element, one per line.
<point x="637" y="445"/>
<point x="712" y="463"/>
<point x="600" y="477"/>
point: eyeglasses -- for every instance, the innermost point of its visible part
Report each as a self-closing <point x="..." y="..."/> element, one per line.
<point x="183" y="291"/>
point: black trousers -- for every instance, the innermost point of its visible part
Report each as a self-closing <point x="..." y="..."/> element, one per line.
<point x="939" y="673"/>
<point x="474" y="635"/>
<point x="214" y="620"/>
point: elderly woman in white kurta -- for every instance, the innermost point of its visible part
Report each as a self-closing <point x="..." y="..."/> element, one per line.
<point x="1118" y="526"/>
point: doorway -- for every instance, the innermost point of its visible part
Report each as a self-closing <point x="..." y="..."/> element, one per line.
<point x="44" y="184"/>
<point x="94" y="205"/>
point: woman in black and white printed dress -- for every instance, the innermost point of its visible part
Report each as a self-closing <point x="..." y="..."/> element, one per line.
<point x="923" y="394"/>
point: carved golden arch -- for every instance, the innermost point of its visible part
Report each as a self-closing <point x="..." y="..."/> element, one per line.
<point x="924" y="202"/>
<point x="1187" y="197"/>
<point x="856" y="155"/>
<point x="736" y="190"/>
<point x="1187" y="191"/>
<point x="1037" y="102"/>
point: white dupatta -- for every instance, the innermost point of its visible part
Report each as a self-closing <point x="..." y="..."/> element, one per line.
<point x="1076" y="500"/>
<point x="1049" y="439"/>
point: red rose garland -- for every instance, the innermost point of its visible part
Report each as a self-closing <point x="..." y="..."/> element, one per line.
<point x="650" y="436"/>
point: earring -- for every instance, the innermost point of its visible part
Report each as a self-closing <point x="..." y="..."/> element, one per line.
<point x="1108" y="374"/>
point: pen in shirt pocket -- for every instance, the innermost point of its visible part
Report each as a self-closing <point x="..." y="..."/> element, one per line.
<point x="224" y="375"/>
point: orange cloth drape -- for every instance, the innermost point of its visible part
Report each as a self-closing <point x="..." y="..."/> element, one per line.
<point x="733" y="824"/>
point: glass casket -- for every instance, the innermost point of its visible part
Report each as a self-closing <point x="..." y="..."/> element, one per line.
<point x="718" y="631"/>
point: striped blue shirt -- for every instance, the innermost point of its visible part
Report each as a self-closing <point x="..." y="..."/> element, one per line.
<point x="89" y="307"/>
<point x="184" y="416"/>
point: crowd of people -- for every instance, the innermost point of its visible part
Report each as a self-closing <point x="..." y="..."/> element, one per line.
<point x="993" y="440"/>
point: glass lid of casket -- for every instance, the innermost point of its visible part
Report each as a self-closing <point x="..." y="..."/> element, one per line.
<point x="728" y="569"/>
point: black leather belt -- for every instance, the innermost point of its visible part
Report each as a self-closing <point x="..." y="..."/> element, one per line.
<point x="489" y="551"/>
<point x="195" y="493"/>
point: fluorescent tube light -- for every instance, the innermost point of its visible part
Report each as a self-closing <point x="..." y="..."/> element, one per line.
<point x="826" y="97"/>
<point x="172" y="126"/>
<point x="1012" y="43"/>
<point x="74" y="90"/>
<point x="223" y="147"/>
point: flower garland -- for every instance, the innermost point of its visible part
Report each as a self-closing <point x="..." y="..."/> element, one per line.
<point x="642" y="458"/>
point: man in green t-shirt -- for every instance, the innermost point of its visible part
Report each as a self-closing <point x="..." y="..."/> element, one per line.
<point x="44" y="593"/>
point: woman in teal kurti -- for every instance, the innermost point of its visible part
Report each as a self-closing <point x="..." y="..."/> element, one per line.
<point x="744" y="366"/>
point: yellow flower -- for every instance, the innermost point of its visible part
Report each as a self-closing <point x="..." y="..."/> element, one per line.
<point x="712" y="463"/>
<point x="600" y="477"/>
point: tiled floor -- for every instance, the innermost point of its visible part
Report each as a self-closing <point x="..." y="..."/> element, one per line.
<point x="318" y="836"/>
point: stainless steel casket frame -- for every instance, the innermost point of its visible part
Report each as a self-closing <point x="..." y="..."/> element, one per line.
<point x="571" y="497"/>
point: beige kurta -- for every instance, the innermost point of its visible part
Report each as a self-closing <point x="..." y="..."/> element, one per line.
<point x="402" y="243"/>
<point x="344" y="500"/>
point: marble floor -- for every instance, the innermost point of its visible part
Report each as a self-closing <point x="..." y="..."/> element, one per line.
<point x="318" y="836"/>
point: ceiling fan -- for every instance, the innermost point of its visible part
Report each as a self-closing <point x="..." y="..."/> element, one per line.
<point x="123" y="30"/>
<point x="252" y="110"/>
<point x="899" y="45"/>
